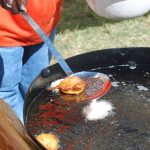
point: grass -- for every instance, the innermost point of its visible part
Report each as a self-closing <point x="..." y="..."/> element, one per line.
<point x="80" y="30"/>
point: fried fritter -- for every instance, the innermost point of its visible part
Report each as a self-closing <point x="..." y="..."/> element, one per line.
<point x="72" y="85"/>
<point x="49" y="141"/>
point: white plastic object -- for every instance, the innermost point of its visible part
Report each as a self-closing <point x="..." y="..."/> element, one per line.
<point x="119" y="9"/>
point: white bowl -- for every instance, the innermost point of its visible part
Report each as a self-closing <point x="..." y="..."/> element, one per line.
<point x="119" y="9"/>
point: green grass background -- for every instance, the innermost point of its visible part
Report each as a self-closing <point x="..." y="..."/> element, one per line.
<point x="80" y="30"/>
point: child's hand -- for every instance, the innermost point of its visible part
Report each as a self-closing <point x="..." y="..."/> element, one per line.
<point x="15" y="6"/>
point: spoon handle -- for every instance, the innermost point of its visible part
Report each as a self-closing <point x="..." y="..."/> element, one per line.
<point x="50" y="45"/>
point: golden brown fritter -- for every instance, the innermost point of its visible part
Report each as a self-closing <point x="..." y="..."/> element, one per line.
<point x="72" y="85"/>
<point x="49" y="141"/>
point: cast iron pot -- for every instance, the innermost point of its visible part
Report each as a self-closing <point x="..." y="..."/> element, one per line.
<point x="126" y="127"/>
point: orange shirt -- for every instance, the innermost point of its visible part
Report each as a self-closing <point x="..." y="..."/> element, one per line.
<point x="15" y="31"/>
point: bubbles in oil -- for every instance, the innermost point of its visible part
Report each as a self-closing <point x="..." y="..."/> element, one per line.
<point x="142" y="88"/>
<point x="115" y="84"/>
<point x="132" y="64"/>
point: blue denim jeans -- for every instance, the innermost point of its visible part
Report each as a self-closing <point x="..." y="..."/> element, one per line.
<point x="19" y="66"/>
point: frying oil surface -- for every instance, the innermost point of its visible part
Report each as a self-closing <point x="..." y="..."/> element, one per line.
<point x="128" y="127"/>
